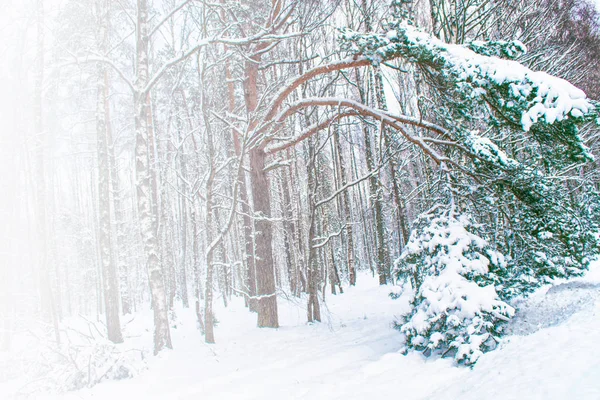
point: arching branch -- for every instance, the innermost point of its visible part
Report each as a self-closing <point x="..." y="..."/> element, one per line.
<point x="308" y="132"/>
<point x="366" y="111"/>
<point x="308" y="75"/>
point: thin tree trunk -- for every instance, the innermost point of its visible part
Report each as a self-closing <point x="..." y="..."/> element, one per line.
<point x="109" y="273"/>
<point x="313" y="307"/>
<point x="247" y="228"/>
<point x="288" y="233"/>
<point x="162" y="334"/>
<point x="183" y="229"/>
<point x="209" y="334"/>
<point x="196" y="267"/>
<point x="122" y="250"/>
<point x="346" y="209"/>
<point x="376" y="200"/>
<point x="48" y="306"/>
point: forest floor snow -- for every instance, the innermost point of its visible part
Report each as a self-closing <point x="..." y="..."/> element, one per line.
<point x="552" y="353"/>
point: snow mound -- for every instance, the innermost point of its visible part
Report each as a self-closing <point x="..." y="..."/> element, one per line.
<point x="554" y="363"/>
<point x="553" y="357"/>
<point x="552" y="308"/>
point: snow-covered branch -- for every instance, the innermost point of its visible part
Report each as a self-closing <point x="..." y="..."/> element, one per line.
<point x="363" y="110"/>
<point x="263" y="37"/>
<point x="324" y="240"/>
<point x="320" y="70"/>
<point x="347" y="186"/>
<point x="307" y="133"/>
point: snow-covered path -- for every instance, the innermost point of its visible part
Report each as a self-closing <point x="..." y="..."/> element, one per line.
<point x="353" y="354"/>
<point x="294" y="361"/>
<point x="339" y="358"/>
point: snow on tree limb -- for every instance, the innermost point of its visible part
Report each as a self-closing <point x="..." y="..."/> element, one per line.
<point x="534" y="96"/>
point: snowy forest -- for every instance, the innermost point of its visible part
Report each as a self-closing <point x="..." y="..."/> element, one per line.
<point x="300" y="199"/>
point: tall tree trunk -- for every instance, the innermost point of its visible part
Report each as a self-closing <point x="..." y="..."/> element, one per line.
<point x="249" y="258"/>
<point x="387" y="143"/>
<point x="297" y="228"/>
<point x="122" y="250"/>
<point x="148" y="221"/>
<point x="375" y="194"/>
<point x="265" y="270"/>
<point x="166" y="244"/>
<point x="109" y="273"/>
<point x="332" y="269"/>
<point x="47" y="302"/>
<point x="209" y="334"/>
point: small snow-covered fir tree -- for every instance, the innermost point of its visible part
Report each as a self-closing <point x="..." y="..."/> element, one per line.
<point x="448" y="264"/>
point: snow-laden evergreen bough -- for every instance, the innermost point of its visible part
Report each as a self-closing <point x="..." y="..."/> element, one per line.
<point x="513" y="138"/>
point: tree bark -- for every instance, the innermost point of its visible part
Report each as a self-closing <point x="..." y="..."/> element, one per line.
<point x="265" y="274"/>
<point x="144" y="190"/>
<point x="265" y="271"/>
<point x="109" y="273"/>
<point x="122" y="251"/>
<point x="313" y="308"/>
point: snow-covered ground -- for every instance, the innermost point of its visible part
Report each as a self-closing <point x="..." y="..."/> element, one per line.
<point x="553" y="353"/>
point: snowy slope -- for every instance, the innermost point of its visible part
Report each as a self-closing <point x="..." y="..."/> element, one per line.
<point x="559" y="360"/>
<point x="353" y="354"/>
